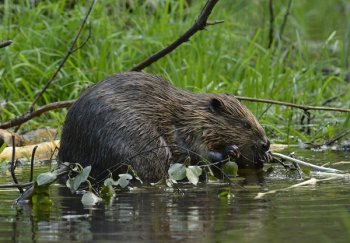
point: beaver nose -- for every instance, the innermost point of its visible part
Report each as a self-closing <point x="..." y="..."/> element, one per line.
<point x="265" y="146"/>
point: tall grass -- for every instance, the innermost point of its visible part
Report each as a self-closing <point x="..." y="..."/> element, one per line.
<point x="309" y="65"/>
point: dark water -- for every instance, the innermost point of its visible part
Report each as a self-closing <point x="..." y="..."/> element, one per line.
<point x="317" y="213"/>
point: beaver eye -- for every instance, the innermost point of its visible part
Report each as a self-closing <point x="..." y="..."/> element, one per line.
<point x="246" y="125"/>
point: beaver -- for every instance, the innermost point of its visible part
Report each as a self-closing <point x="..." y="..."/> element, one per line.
<point x="141" y="120"/>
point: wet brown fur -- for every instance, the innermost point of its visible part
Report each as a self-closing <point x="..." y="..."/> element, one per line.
<point x="142" y="120"/>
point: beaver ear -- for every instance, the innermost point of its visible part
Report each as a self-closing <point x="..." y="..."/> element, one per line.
<point x="216" y="105"/>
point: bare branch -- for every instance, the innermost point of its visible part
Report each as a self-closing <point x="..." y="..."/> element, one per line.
<point x="26" y="117"/>
<point x="13" y="164"/>
<point x="5" y="43"/>
<point x="200" y="24"/>
<point x="285" y="19"/>
<point x="71" y="50"/>
<point x="302" y="107"/>
<point x="272" y="23"/>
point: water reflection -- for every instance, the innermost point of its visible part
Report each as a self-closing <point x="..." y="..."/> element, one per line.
<point x="198" y="215"/>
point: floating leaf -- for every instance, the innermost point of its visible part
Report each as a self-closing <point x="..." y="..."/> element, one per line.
<point x="124" y="180"/>
<point x="46" y="178"/>
<point x="90" y="199"/>
<point x="193" y="173"/>
<point x="177" y="171"/>
<point x="230" y="169"/>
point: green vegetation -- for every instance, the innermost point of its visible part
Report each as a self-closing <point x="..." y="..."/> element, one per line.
<point x="309" y="65"/>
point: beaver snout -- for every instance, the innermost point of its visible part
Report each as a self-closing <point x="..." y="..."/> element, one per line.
<point x="261" y="146"/>
<point x="265" y="146"/>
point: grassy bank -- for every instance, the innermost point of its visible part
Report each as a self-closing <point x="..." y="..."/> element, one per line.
<point x="308" y="65"/>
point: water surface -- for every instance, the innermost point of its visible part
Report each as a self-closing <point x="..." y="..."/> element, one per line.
<point x="317" y="213"/>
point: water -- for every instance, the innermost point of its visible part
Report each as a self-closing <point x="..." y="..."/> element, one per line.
<point x="317" y="213"/>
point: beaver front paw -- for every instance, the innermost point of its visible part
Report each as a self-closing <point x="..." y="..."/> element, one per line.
<point x="232" y="152"/>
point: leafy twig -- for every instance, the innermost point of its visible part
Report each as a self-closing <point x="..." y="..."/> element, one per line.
<point x="200" y="24"/>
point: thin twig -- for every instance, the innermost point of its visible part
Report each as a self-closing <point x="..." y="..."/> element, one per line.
<point x="316" y="167"/>
<point x="71" y="50"/>
<point x="32" y="164"/>
<point x="13" y="161"/>
<point x="61" y="171"/>
<point x="303" y="107"/>
<point x="285" y="19"/>
<point x="65" y="104"/>
<point x="336" y="138"/>
<point x="16" y="185"/>
<point x="5" y="43"/>
<point x="26" y="117"/>
<point x="200" y="24"/>
<point x="272" y="23"/>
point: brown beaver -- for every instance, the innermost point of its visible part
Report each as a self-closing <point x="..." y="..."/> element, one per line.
<point x="142" y="120"/>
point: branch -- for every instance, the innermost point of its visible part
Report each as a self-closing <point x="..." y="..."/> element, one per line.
<point x="272" y="20"/>
<point x="285" y="18"/>
<point x="71" y="50"/>
<point x="200" y="24"/>
<point x="13" y="164"/>
<point x="300" y="162"/>
<point x="16" y="185"/>
<point x="302" y="107"/>
<point x="26" y="117"/>
<point x="65" y="104"/>
<point x="5" y="43"/>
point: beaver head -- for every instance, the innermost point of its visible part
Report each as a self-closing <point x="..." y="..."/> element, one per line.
<point x="225" y="128"/>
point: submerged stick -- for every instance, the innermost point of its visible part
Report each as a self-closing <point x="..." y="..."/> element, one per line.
<point x="316" y="167"/>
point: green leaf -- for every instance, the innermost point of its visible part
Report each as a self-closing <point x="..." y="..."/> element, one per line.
<point x="226" y="194"/>
<point x="2" y="147"/>
<point x="90" y="199"/>
<point x="46" y="178"/>
<point x="177" y="171"/>
<point x="230" y="169"/>
<point x="193" y="173"/>
<point x="41" y="195"/>
<point x="107" y="193"/>
<point x="82" y="177"/>
<point x="307" y="171"/>
<point x="110" y="182"/>
<point x="74" y="183"/>
<point x="124" y="180"/>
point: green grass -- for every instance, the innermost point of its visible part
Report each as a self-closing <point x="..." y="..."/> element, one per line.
<point x="230" y="57"/>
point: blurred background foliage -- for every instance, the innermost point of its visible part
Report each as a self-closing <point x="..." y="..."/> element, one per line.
<point x="306" y="64"/>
